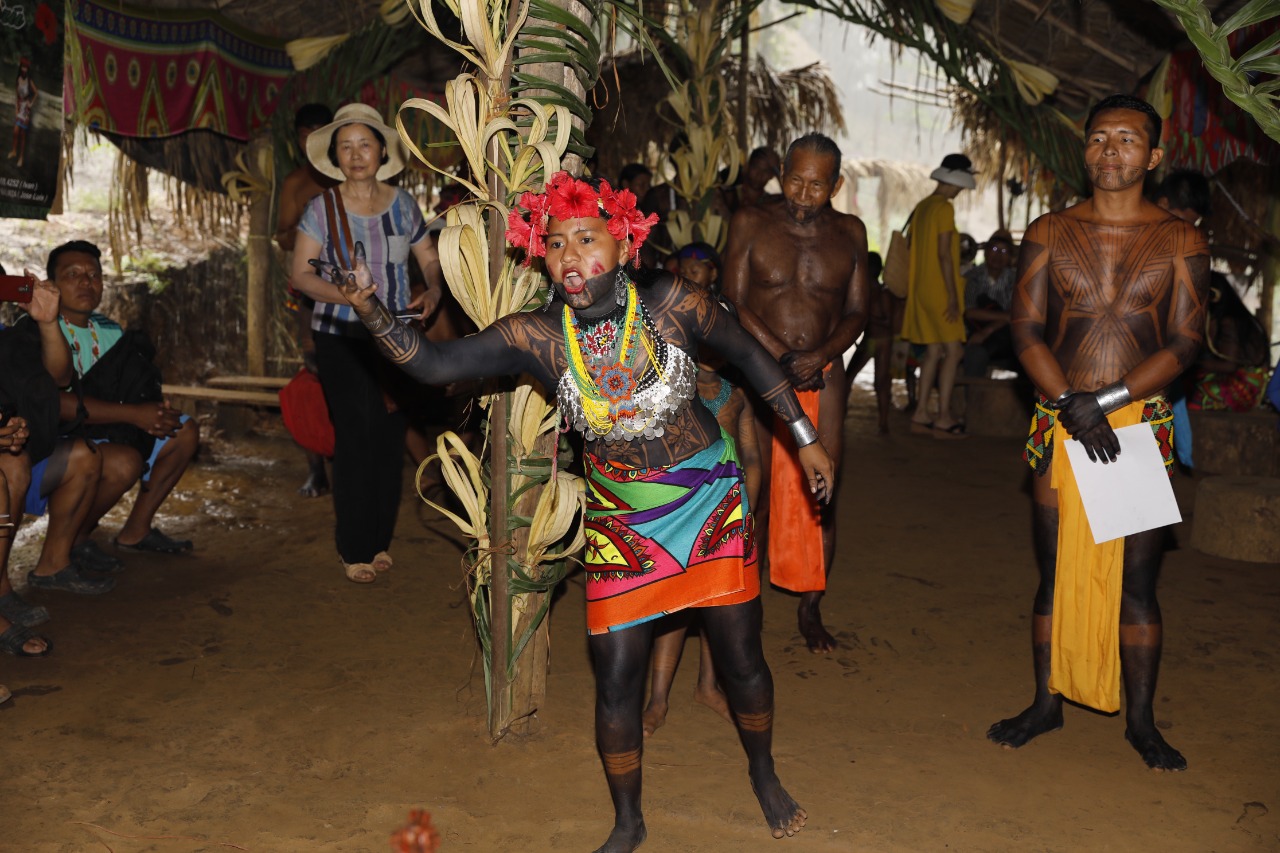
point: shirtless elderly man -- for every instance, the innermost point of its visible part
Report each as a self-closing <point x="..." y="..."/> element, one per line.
<point x="1108" y="310"/>
<point x="796" y="270"/>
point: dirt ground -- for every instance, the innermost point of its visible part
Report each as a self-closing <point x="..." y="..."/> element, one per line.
<point x="248" y="697"/>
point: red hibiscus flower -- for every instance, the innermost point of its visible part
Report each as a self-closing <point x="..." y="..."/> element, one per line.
<point x="571" y="198"/>
<point x="531" y="233"/>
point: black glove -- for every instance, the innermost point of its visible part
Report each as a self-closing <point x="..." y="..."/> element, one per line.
<point x="1100" y="442"/>
<point x="1080" y="412"/>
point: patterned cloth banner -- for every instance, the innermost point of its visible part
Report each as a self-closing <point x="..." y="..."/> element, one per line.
<point x="157" y="73"/>
<point x="31" y="40"/>
<point x="1204" y="129"/>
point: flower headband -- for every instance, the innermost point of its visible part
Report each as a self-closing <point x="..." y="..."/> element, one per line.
<point x="569" y="198"/>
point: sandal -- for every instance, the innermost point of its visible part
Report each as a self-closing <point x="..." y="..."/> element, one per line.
<point x="360" y="572"/>
<point x="954" y="432"/>
<point x="918" y="428"/>
<point x="93" y="558"/>
<point x="70" y="579"/>
<point x="19" y="612"/>
<point x="382" y="561"/>
<point x="14" y="640"/>
<point x="5" y="695"/>
<point x="157" y="543"/>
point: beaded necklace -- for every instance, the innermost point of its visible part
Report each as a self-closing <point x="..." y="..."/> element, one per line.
<point x="623" y="381"/>
<point x="608" y="384"/>
<point x="96" y="351"/>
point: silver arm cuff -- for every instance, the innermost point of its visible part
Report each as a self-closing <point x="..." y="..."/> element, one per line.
<point x="1114" y="396"/>
<point x="803" y="432"/>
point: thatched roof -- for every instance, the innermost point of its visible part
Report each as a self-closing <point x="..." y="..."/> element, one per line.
<point x="1094" y="47"/>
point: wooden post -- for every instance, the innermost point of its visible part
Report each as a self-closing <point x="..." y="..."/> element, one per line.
<point x="1000" y="189"/>
<point x="518" y="685"/>
<point x="258" y="254"/>
<point x="744" y="77"/>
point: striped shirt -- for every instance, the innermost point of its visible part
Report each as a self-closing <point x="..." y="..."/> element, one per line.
<point x="387" y="237"/>
<point x="979" y="283"/>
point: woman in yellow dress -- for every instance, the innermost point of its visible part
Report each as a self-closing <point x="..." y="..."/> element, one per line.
<point x="935" y="296"/>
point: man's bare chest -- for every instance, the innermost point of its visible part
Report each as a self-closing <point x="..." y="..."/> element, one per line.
<point x="818" y="265"/>
<point x="1111" y="269"/>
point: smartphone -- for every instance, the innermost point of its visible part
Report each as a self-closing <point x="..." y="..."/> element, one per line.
<point x="15" y="288"/>
<point x="407" y="313"/>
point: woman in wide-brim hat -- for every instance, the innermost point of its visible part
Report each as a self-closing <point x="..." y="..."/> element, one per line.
<point x="360" y="150"/>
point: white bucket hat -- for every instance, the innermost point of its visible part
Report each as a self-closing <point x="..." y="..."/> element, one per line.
<point x="956" y="169"/>
<point x="318" y="142"/>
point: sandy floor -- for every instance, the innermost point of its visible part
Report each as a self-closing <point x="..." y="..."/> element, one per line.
<point x="249" y="697"/>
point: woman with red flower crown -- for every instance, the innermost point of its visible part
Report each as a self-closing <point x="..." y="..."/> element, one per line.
<point x="667" y="522"/>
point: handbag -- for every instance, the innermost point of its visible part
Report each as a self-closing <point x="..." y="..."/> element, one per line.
<point x="306" y="414"/>
<point x="897" y="262"/>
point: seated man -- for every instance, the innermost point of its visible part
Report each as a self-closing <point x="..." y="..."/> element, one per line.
<point x="139" y="437"/>
<point x="28" y="427"/>
<point x="988" y="290"/>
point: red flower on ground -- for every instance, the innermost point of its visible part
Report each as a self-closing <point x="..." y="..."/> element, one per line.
<point x="417" y="836"/>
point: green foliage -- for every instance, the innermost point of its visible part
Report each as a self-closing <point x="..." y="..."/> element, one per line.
<point x="1256" y="97"/>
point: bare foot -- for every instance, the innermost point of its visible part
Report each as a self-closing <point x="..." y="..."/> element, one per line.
<point x="654" y="716"/>
<point x="315" y="486"/>
<point x="815" y="635"/>
<point x="624" y="839"/>
<point x="713" y="697"/>
<point x="783" y="814"/>
<point x="1031" y="723"/>
<point x="1155" y="751"/>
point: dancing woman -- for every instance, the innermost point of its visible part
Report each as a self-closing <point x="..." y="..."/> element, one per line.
<point x="665" y="526"/>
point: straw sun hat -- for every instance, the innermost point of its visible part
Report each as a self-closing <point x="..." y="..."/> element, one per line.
<point x="318" y="142"/>
<point x="956" y="169"/>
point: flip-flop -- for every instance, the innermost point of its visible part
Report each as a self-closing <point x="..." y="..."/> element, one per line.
<point x="13" y="640"/>
<point x="156" y="542"/>
<point x="955" y="432"/>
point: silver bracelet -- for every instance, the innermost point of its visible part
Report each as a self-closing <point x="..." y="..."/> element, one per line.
<point x="803" y="432"/>
<point x="1114" y="396"/>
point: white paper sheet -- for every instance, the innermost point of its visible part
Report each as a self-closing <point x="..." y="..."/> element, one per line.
<point x="1129" y="495"/>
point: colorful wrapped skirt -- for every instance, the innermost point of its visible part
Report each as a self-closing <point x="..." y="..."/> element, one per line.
<point x="663" y="539"/>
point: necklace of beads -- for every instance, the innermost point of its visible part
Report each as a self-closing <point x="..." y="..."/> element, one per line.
<point x="623" y="380"/>
<point x="96" y="351"/>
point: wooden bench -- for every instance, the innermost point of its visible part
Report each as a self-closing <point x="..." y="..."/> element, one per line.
<point x="270" y="382"/>
<point x="222" y="395"/>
